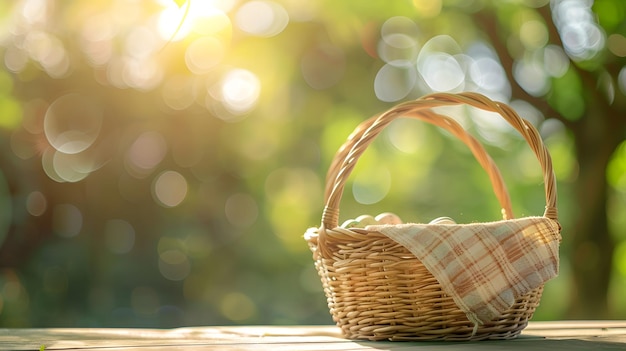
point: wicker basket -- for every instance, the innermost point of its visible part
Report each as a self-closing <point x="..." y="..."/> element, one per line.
<point x="378" y="290"/>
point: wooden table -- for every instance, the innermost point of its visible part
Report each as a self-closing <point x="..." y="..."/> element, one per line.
<point x="553" y="336"/>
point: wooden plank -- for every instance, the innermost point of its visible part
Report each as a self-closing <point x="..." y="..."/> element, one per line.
<point x="576" y="328"/>
<point x="553" y="336"/>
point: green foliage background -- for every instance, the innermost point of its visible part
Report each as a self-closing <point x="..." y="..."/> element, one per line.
<point x="104" y="250"/>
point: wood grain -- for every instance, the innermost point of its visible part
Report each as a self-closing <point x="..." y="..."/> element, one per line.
<point x="554" y="336"/>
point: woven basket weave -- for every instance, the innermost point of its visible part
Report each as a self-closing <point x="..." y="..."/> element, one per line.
<point x="376" y="289"/>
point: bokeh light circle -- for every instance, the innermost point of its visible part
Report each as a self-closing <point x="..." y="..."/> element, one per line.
<point x="442" y="72"/>
<point x="237" y="306"/>
<point x="67" y="220"/>
<point x="441" y="64"/>
<point x="582" y="40"/>
<point x="531" y="76"/>
<point x="262" y="18"/>
<point x="169" y="189"/>
<point x="393" y="83"/>
<point x="119" y="236"/>
<point x="72" y="123"/>
<point x="204" y="54"/>
<point x="372" y="186"/>
<point x="241" y="210"/>
<point x="174" y="265"/>
<point x="323" y="66"/>
<point x="240" y="90"/>
<point x="399" y="49"/>
<point x="398" y="44"/>
<point x="488" y="74"/>
<point x="36" y="203"/>
<point x="399" y="25"/>
<point x="146" y="152"/>
<point x="582" y="37"/>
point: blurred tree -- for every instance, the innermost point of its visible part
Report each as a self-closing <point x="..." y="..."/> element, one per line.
<point x="588" y="96"/>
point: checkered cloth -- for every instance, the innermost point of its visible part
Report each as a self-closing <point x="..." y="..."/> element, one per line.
<point x="484" y="267"/>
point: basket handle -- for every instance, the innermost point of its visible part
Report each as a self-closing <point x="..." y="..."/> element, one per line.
<point x="446" y="123"/>
<point x="359" y="140"/>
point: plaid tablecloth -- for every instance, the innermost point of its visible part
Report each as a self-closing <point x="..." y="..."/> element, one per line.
<point x="484" y="267"/>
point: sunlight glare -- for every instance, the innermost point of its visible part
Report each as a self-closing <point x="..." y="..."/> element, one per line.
<point x="171" y="18"/>
<point x="202" y="17"/>
<point x="240" y="91"/>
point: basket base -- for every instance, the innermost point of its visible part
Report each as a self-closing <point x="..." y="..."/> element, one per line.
<point x="450" y="326"/>
<point x="404" y="333"/>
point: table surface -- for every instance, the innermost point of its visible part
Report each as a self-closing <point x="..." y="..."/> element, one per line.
<point x="554" y="336"/>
